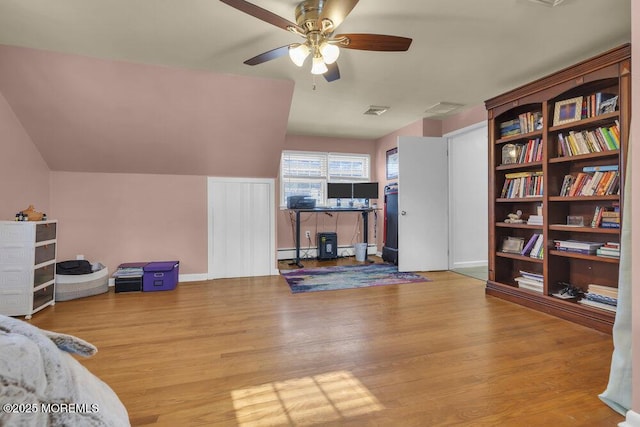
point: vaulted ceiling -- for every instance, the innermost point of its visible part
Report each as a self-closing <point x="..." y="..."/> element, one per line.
<point x="116" y="79"/>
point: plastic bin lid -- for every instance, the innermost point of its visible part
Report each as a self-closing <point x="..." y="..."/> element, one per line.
<point x="160" y="265"/>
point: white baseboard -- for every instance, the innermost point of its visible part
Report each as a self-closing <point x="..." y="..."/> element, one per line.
<point x="632" y="420"/>
<point x="468" y="264"/>
<point x="312" y="252"/>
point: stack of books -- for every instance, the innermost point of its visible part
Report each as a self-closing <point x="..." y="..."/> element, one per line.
<point x="609" y="250"/>
<point x="530" y="281"/>
<point x="510" y="127"/>
<point x="610" y="219"/>
<point x="604" y="297"/>
<point x="535" y="220"/>
<point x="588" y="248"/>
<point x="609" y="215"/>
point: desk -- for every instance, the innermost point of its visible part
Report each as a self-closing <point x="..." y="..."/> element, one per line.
<point x="365" y="225"/>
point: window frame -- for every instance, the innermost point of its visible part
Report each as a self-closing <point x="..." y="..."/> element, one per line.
<point x="324" y="176"/>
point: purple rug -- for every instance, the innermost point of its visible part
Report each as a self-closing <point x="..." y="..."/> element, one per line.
<point x="347" y="277"/>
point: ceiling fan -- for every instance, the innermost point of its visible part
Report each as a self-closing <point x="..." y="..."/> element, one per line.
<point x="316" y="21"/>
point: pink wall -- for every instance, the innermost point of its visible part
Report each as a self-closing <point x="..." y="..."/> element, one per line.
<point x="465" y="118"/>
<point x="344" y="224"/>
<point x="116" y="218"/>
<point x="94" y="115"/>
<point x="24" y="175"/>
<point x="635" y="159"/>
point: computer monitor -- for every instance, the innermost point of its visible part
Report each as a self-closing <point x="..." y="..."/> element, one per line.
<point x="365" y="190"/>
<point x="339" y="190"/>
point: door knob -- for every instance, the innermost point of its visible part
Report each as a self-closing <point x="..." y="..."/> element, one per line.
<point x="403" y="213"/>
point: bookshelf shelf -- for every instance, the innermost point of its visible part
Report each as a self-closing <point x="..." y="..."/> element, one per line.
<point x="519" y="257"/>
<point x="524" y="226"/>
<point x="584" y="257"/>
<point x="596" y="230"/>
<point x="519" y="137"/>
<point x="598" y="92"/>
<point x="518" y="166"/>
<point x="602" y="119"/>
<point x="614" y="154"/>
<point x="610" y="198"/>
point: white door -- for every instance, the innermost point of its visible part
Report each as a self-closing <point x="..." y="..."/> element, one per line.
<point x="241" y="227"/>
<point x="423" y="231"/>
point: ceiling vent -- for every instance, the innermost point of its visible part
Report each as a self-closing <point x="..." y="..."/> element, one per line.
<point x="376" y="110"/>
<point x="442" y="109"/>
<point x="550" y="3"/>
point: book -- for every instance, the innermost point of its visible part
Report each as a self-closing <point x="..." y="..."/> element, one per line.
<point x="600" y="305"/>
<point x="527" y="248"/>
<point x="602" y="290"/>
<point x="535" y="220"/>
<point x="534" y="276"/>
<point x="600" y="168"/>
<point x="537" y="250"/>
<point x="577" y="244"/>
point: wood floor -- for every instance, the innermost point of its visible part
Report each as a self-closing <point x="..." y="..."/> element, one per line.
<point x="245" y="352"/>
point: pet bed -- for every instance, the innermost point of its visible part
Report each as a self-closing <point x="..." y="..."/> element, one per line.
<point x="73" y="286"/>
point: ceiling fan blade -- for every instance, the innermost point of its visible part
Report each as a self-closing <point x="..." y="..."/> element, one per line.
<point x="336" y="11"/>
<point x="262" y="14"/>
<point x="268" y="56"/>
<point x="333" y="73"/>
<point x="378" y="42"/>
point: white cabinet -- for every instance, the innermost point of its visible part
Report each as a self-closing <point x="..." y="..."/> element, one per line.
<point x="27" y="266"/>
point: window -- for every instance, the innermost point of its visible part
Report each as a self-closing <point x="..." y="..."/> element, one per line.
<point x="307" y="173"/>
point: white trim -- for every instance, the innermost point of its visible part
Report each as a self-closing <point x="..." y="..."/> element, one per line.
<point x="632" y="420"/>
<point x="468" y="264"/>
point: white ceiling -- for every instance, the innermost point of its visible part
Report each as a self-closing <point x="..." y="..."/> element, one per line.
<point x="463" y="51"/>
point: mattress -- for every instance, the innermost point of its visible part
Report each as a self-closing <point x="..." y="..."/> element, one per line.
<point x="73" y="286"/>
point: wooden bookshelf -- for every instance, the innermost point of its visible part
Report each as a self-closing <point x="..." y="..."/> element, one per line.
<point x="555" y="98"/>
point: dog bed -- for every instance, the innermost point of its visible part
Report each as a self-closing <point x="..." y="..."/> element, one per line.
<point x="73" y="286"/>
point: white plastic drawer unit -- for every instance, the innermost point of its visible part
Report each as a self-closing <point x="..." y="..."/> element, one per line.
<point x="27" y="266"/>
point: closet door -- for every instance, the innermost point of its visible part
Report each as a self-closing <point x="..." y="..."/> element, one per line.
<point x="241" y="227"/>
<point x="423" y="231"/>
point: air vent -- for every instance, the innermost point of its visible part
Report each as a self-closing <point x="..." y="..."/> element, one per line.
<point x="442" y="109"/>
<point x="376" y="110"/>
<point x="550" y="3"/>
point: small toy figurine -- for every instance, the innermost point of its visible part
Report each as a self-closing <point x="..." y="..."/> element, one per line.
<point x="515" y="218"/>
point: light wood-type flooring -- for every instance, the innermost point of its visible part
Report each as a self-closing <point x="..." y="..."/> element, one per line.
<point x="247" y="352"/>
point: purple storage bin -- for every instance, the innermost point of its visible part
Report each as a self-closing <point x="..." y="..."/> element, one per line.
<point x="160" y="276"/>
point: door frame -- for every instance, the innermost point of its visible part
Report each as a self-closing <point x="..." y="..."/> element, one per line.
<point x="450" y="139"/>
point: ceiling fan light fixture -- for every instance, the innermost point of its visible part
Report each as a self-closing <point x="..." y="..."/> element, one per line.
<point x="330" y="52"/>
<point x="299" y="53"/>
<point x="318" y="67"/>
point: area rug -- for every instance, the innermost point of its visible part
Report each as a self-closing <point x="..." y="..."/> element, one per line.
<point x="347" y="277"/>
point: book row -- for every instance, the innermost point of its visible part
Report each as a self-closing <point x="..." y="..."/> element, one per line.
<point x="533" y="248"/>
<point x="599" y="183"/>
<point x="598" y="103"/>
<point x="589" y="141"/>
<point x="522" y="184"/>
<point x="524" y="123"/>
<point x="522" y="153"/>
